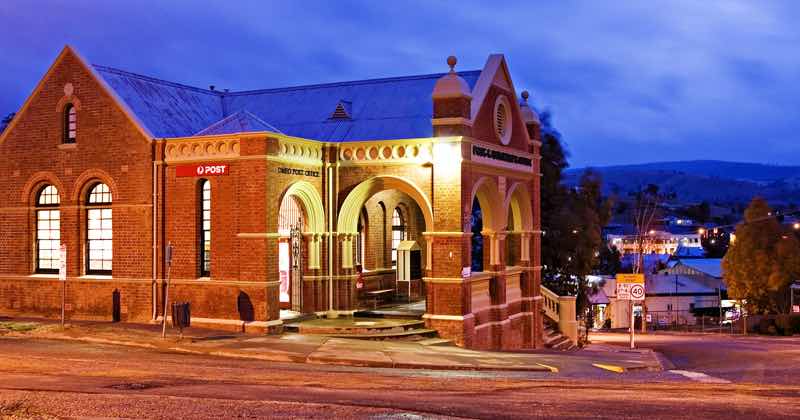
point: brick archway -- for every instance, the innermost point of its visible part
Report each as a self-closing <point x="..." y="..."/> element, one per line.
<point x="315" y="217"/>
<point x="347" y="225"/>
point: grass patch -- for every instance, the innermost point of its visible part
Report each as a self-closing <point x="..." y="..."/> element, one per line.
<point x="18" y="326"/>
<point x="19" y="409"/>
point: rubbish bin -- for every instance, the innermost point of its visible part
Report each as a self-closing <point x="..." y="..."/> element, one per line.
<point x="181" y="315"/>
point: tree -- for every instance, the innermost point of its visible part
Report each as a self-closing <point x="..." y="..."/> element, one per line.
<point x="6" y="121"/>
<point x="610" y="260"/>
<point x="647" y="201"/>
<point x="762" y="262"/>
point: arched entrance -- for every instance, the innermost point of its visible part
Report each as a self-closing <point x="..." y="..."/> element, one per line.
<point x="291" y="224"/>
<point x="381" y="222"/>
<point x="300" y="224"/>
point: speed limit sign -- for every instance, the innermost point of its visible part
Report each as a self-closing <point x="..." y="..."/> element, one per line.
<point x="637" y="292"/>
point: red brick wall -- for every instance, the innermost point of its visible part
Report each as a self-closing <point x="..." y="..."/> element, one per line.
<point x="109" y="149"/>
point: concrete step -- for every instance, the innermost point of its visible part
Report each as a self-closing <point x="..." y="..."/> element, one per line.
<point x="421" y="332"/>
<point x="389" y="314"/>
<point x="435" y="342"/>
<point x="352" y="325"/>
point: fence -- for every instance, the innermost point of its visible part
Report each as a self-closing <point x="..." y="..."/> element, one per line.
<point x="686" y="321"/>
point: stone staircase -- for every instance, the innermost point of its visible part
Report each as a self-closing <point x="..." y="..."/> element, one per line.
<point x="554" y="339"/>
<point x="560" y="324"/>
<point x="366" y="326"/>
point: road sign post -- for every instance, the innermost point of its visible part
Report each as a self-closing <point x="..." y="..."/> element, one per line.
<point x="630" y="287"/>
<point x="62" y="276"/>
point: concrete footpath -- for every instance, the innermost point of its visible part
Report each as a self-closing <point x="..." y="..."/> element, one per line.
<point x="336" y="351"/>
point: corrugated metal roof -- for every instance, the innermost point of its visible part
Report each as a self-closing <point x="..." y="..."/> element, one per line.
<point x="399" y="107"/>
<point x="658" y="284"/>
<point x="239" y="122"/>
<point x="710" y="266"/>
<point x="166" y="109"/>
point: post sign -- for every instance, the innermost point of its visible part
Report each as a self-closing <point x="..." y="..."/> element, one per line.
<point x="202" y="169"/>
<point x="630" y="286"/>
<point x="62" y="263"/>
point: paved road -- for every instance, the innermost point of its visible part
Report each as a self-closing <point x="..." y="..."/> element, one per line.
<point x="58" y="378"/>
<point x="738" y="359"/>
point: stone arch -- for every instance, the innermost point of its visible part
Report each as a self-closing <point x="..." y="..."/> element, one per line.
<point x="490" y="200"/>
<point x="87" y="180"/>
<point x="517" y="207"/>
<point x="36" y="182"/>
<point x="485" y="191"/>
<point x="347" y="224"/>
<point x="518" y="201"/>
<point x="315" y="218"/>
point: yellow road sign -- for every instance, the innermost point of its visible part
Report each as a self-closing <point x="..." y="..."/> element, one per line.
<point x="630" y="278"/>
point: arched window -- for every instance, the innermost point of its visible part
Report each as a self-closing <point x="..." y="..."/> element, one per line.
<point x="398" y="233"/>
<point x="99" y="234"/>
<point x="205" y="228"/>
<point x="70" y="124"/>
<point x="361" y="238"/>
<point x="48" y="230"/>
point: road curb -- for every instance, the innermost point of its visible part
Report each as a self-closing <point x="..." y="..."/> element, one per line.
<point x="311" y="359"/>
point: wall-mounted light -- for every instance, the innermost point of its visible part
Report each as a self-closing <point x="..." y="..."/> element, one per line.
<point x="446" y="156"/>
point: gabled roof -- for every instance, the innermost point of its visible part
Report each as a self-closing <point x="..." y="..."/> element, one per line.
<point x="238" y="122"/>
<point x="166" y="109"/>
<point x="393" y="108"/>
<point x="709" y="266"/>
<point x="658" y="284"/>
<point x="390" y="108"/>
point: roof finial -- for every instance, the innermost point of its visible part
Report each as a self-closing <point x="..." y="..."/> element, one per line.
<point x="451" y="61"/>
<point x="525" y="96"/>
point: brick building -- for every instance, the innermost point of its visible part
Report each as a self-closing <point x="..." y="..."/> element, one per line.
<point x="273" y="199"/>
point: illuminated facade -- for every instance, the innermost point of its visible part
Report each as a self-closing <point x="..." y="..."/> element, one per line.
<point x="657" y="242"/>
<point x="274" y="199"/>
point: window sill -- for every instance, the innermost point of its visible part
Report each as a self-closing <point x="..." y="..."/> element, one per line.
<point x="204" y="278"/>
<point x="44" y="276"/>
<point x="68" y="146"/>
<point x="96" y="277"/>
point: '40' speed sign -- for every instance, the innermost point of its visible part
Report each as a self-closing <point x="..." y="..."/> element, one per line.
<point x="637" y="292"/>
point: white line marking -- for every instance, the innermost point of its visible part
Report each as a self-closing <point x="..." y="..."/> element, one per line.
<point x="700" y="377"/>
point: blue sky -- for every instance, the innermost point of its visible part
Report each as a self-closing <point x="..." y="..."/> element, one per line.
<point x="626" y="81"/>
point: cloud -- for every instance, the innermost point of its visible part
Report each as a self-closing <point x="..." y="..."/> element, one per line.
<point x="627" y="81"/>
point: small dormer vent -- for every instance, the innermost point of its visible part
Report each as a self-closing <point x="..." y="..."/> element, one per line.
<point x="342" y="111"/>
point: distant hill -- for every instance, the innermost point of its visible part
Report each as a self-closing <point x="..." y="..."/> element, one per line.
<point x="703" y="180"/>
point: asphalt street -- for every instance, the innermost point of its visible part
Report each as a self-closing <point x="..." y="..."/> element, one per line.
<point x="48" y="378"/>
<point x="722" y="357"/>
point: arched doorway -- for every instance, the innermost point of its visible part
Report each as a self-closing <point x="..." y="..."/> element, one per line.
<point x="291" y="224"/>
<point x="301" y="224"/>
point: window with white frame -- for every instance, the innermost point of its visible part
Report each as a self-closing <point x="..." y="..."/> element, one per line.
<point x="70" y="124"/>
<point x="398" y="233"/>
<point x="99" y="233"/>
<point x="48" y="230"/>
<point x="205" y="228"/>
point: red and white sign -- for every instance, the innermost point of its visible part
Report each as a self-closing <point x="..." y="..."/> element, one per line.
<point x="637" y="292"/>
<point x="62" y="263"/>
<point x="202" y="169"/>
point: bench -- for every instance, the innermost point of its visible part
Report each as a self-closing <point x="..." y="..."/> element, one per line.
<point x="378" y="296"/>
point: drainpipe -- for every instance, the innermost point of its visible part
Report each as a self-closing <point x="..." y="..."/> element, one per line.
<point x="330" y="233"/>
<point x="155" y="242"/>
